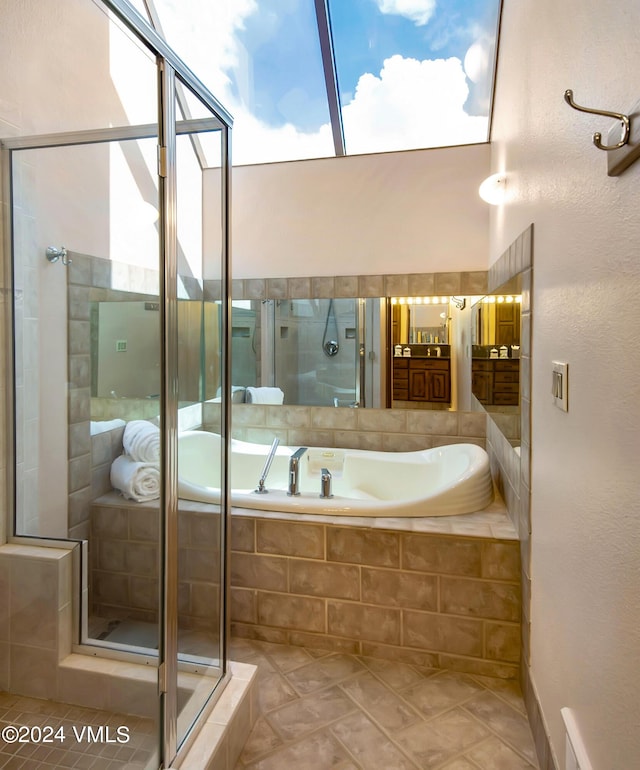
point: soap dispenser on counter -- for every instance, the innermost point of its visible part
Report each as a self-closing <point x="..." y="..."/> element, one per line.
<point x="406" y="352"/>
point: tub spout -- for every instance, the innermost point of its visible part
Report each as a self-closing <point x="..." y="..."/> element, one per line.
<point x="294" y="471"/>
<point x="325" y="483"/>
<point x="260" y="489"/>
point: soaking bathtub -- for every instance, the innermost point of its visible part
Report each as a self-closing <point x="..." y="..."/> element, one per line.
<point x="444" y="481"/>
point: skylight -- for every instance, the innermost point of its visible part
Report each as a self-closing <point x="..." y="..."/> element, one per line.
<point x="404" y="74"/>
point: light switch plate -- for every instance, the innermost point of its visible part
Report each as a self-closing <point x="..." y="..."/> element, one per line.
<point x="560" y="385"/>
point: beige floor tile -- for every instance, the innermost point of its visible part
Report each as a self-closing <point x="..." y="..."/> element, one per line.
<point x="324" y="672"/>
<point x="381" y="704"/>
<point x="396" y="675"/>
<point x="511" y="726"/>
<point x="506" y="689"/>
<point x="320" y="751"/>
<point x="273" y="691"/>
<point x="286" y="658"/>
<point x="262" y="740"/>
<point x="461" y="763"/>
<point x="370" y="747"/>
<point x="441" y="691"/>
<point x="307" y="714"/>
<point x="495" y="755"/>
<point x="442" y="738"/>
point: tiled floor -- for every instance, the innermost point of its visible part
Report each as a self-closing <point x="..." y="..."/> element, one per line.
<point x="321" y="710"/>
<point x="79" y="749"/>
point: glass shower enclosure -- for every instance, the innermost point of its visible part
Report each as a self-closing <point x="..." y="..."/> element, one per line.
<point x="119" y="285"/>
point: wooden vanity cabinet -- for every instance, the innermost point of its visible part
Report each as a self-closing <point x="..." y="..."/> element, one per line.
<point x="496" y="381"/>
<point x="422" y="379"/>
<point x="482" y="380"/>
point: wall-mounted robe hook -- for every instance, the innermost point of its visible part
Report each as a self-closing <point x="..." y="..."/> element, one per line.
<point x="54" y="254"/>
<point x="597" y="137"/>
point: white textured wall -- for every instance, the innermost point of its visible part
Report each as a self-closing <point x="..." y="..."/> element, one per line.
<point x="585" y="489"/>
<point x="403" y="212"/>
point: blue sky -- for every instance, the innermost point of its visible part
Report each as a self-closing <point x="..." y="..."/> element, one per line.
<point x="412" y="73"/>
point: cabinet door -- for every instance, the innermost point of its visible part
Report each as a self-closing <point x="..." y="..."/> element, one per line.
<point x="439" y="387"/>
<point x="418" y="385"/>
<point x="482" y="386"/>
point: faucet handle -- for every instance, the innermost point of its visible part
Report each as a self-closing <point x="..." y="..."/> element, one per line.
<point x="325" y="483"/>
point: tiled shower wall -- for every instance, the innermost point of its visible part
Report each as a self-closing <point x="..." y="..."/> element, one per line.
<point x="87" y="277"/>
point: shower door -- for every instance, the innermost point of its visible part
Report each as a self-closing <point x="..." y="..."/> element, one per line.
<point x="111" y="287"/>
<point x="201" y="221"/>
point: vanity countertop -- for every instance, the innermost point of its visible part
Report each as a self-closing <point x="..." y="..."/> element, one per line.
<point x="421" y="358"/>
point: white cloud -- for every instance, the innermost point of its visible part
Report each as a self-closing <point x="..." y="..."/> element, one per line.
<point x="418" y="11"/>
<point x="411" y="104"/>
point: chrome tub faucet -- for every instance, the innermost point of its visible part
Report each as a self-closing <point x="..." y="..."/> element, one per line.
<point x="294" y="471"/>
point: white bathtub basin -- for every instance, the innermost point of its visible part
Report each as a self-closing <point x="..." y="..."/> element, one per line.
<point x="443" y="481"/>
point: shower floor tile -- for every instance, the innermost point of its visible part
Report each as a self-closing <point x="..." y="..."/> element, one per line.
<point x="78" y="738"/>
<point x="328" y="711"/>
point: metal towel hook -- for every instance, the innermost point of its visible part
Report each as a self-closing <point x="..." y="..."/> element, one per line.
<point x="54" y="254"/>
<point x="597" y="137"/>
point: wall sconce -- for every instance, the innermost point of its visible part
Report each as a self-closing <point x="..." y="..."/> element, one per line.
<point x="493" y="189"/>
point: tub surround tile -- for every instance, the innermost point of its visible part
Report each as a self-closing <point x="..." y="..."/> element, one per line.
<point x="479" y="598"/>
<point x="377" y="549"/>
<point x="290" y="539"/>
<point x="400" y="589"/>
<point x="335" y="581"/>
<point x="448" y="555"/>
<point x="359" y="621"/>
<point x="291" y="612"/>
<point x="269" y="573"/>
<point x="443" y="600"/>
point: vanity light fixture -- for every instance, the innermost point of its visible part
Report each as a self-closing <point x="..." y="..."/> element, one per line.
<point x="493" y="189"/>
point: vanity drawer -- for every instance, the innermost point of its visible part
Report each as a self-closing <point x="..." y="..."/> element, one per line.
<point x="505" y="399"/>
<point x="430" y="363"/>
<point x="400" y="363"/>
<point x="505" y="387"/>
<point x="507" y="366"/>
<point x="482" y="366"/>
<point x="506" y="377"/>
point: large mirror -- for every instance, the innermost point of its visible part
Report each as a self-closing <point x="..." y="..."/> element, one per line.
<point x="496" y="340"/>
<point x="307" y="352"/>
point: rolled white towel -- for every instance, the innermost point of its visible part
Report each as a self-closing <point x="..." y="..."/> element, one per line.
<point x="264" y="395"/>
<point x="137" y="481"/>
<point x="141" y="440"/>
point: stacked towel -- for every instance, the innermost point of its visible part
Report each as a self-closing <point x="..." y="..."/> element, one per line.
<point x="137" y="481"/>
<point x="264" y="396"/>
<point x="141" y="441"/>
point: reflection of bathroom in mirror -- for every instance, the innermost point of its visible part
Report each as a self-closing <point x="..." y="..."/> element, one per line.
<point x="496" y="322"/>
<point x="421" y="372"/>
<point x="125" y="350"/>
<point x="312" y="350"/>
